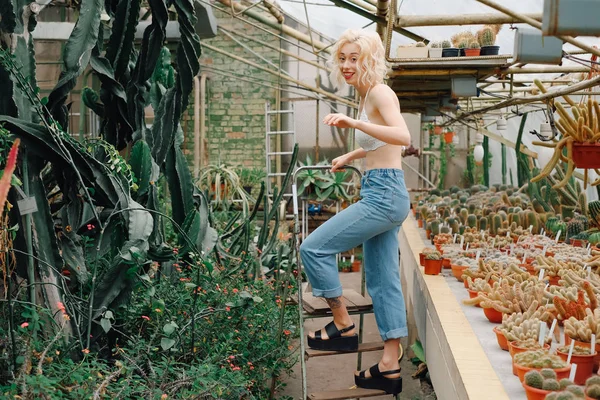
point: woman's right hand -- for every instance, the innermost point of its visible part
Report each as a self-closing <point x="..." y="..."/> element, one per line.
<point x="339" y="162"/>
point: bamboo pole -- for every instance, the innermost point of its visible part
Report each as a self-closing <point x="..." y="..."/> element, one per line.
<point x="406" y="21"/>
<point x="282" y="76"/>
<point x="538" y="25"/>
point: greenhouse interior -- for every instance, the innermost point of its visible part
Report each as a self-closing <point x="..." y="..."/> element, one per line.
<point x="191" y="203"/>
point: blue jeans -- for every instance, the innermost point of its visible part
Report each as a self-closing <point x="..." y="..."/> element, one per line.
<point x="374" y="222"/>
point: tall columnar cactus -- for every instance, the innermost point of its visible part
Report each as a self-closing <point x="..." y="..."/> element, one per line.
<point x="486" y="36"/>
<point x="582" y="203"/>
<point x="532" y="220"/>
<point x="514" y="218"/>
<point x="496" y="224"/>
<point x="594" y="212"/>
<point x="434" y="226"/>
<point x="464" y="213"/>
<point x="472" y="221"/>
<point x="483" y="223"/>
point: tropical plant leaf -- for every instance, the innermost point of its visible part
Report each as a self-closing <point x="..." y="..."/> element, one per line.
<point x="143" y="167"/>
<point x="90" y="98"/>
<point x="76" y="57"/>
<point x="180" y="183"/>
<point x="122" y="38"/>
<point x="140" y="222"/>
<point x="417" y="348"/>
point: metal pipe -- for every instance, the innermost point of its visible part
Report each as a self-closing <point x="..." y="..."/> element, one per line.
<point x="382" y="11"/>
<point x="538" y="25"/>
<point x="406" y="21"/>
<point x="273" y="24"/>
<point x="278" y="74"/>
<point x="546" y="70"/>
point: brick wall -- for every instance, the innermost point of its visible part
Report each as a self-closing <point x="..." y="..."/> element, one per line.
<point x="235" y="124"/>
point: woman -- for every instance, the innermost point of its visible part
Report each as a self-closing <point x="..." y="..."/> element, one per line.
<point x="374" y="221"/>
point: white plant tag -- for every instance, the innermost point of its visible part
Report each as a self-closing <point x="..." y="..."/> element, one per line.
<point x="541" y="276"/>
<point x="570" y="352"/>
<point x="552" y="329"/>
<point x="462" y="241"/>
<point x="27" y="206"/>
<point x="593" y="344"/>
<point x="530" y="228"/>
<point x="477" y="256"/>
<point x="543" y="232"/>
<point x="546" y="287"/>
<point x="558" y="236"/>
<point x="454" y="239"/>
<point x="467" y="248"/>
<point x="295" y="197"/>
<point x="507" y="233"/>
<point x="524" y="257"/>
<point x="542" y="333"/>
<point x="573" y="371"/>
<point x="589" y="271"/>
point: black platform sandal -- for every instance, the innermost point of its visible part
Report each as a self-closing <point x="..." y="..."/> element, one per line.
<point x="379" y="381"/>
<point x="336" y="341"/>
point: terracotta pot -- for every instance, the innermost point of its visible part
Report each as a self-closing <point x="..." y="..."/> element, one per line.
<point x="356" y="266"/>
<point x="457" y="271"/>
<point x="560" y="372"/>
<point x="535" y="393"/>
<point x="502" y="341"/>
<point x="493" y="315"/>
<point x="472" y="52"/>
<point x="585" y="365"/>
<point x="433" y="267"/>
<point x="576" y="242"/>
<point x="446" y="263"/>
<point x="568" y="341"/>
<point x="428" y="233"/>
<point x="422" y="259"/>
<point x="466" y="283"/>
<point x="438" y="130"/>
<point x="420" y="223"/>
<point x="512" y="349"/>
<point x="473" y="294"/>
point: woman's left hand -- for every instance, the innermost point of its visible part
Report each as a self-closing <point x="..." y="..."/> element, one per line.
<point x="339" y="120"/>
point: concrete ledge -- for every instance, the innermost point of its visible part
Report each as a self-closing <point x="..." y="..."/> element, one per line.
<point x="458" y="365"/>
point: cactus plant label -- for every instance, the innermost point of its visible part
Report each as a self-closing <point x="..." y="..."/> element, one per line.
<point x="593" y="344"/>
<point x="543" y="232"/>
<point x="541" y="277"/>
<point x="589" y="271"/>
<point x="524" y="257"/>
<point x="462" y="241"/>
<point x="467" y="248"/>
<point x="573" y="369"/>
<point x="552" y="328"/>
<point x="542" y="333"/>
<point x="27" y="205"/>
<point x="454" y="238"/>
<point x="295" y="197"/>
<point x="570" y="353"/>
<point x="558" y="235"/>
<point x="508" y="233"/>
<point x="477" y="256"/>
<point x="530" y="228"/>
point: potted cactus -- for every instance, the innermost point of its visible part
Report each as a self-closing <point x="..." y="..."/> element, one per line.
<point x="487" y="40"/>
<point x="538" y="359"/>
<point x="584" y="359"/>
<point x="433" y="262"/>
<point x="418" y="50"/>
<point x="538" y="384"/>
<point x="448" y="50"/>
<point x="473" y="49"/>
<point x="592" y="388"/>
<point x="435" y="50"/>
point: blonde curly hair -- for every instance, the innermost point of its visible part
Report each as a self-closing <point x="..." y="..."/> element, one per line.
<point x="371" y="67"/>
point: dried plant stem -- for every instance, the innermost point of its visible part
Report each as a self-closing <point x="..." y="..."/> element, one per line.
<point x="43" y="356"/>
<point x="105" y="383"/>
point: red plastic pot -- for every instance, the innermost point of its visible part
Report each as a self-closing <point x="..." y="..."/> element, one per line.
<point x="585" y="365"/>
<point x="448" y="136"/>
<point x="422" y="259"/>
<point x="513" y="349"/>
<point x="446" y="263"/>
<point x="472" y="52"/>
<point x="586" y="155"/>
<point x="433" y="267"/>
<point x="493" y="315"/>
<point x="473" y="294"/>
<point x="457" y="271"/>
<point x="568" y="341"/>
<point x="560" y="372"/>
<point x="535" y="393"/>
<point x="502" y="341"/>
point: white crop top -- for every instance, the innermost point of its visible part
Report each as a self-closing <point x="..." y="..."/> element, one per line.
<point x="364" y="140"/>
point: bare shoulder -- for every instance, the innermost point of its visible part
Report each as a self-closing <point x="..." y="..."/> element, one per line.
<point x="384" y="94"/>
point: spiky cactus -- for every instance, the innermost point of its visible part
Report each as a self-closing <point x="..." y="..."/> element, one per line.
<point x="486" y="37"/>
<point x="593" y="391"/>
<point x="483" y="223"/>
<point x="472" y="221"/>
<point x="548" y="373"/>
<point x="550" y="384"/>
<point x="446" y="44"/>
<point x="534" y="379"/>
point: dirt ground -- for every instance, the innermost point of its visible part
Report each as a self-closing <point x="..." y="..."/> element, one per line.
<point x="337" y="372"/>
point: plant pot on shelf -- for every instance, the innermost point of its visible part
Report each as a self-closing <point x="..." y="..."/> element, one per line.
<point x="578" y="242"/>
<point x="535" y="393"/>
<point x="433" y="267"/>
<point x="450" y="52"/>
<point x="420" y="223"/>
<point x="585" y="365"/>
<point x="493" y="315"/>
<point x="457" y="271"/>
<point x="502" y="341"/>
<point x="356" y="266"/>
<point x="446" y="263"/>
<point x="489" y="50"/>
<point x="568" y="341"/>
<point x="448" y="136"/>
<point x="438" y="130"/>
<point x="472" y="52"/>
<point x="435" y="52"/>
<point x="586" y="155"/>
<point x="422" y="259"/>
<point x="428" y="233"/>
<point x="513" y="349"/>
<point x="560" y="372"/>
<point x="472" y="295"/>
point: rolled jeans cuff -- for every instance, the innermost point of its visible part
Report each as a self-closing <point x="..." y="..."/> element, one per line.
<point x="329" y="293"/>
<point x="395" y="334"/>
